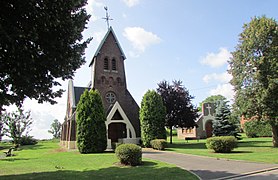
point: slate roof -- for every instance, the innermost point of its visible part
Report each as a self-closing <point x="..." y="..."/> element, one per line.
<point x="110" y="30"/>
<point x="78" y="91"/>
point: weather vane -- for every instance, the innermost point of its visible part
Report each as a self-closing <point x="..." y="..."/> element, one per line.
<point x="107" y="18"/>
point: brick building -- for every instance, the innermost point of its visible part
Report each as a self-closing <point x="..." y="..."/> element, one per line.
<point x="108" y="77"/>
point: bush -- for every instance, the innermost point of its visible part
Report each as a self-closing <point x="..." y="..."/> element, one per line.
<point x="90" y="122"/>
<point x="129" y="154"/>
<point x="257" y="128"/>
<point x="222" y="144"/>
<point x="27" y="140"/>
<point x="152" y="117"/>
<point x="159" y="144"/>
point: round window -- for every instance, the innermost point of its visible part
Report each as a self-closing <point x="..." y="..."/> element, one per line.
<point x="110" y="97"/>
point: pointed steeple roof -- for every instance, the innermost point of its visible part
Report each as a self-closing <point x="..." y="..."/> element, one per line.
<point x="110" y="30"/>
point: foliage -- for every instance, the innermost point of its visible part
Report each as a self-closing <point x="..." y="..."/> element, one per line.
<point x="129" y="154"/>
<point x="179" y="109"/>
<point x="40" y="41"/>
<point x="152" y="118"/>
<point x="1" y="129"/>
<point x="27" y="140"/>
<point x="55" y="129"/>
<point x="90" y="120"/>
<point x="257" y="128"/>
<point x="16" y="124"/>
<point x="254" y="67"/>
<point x="222" y="144"/>
<point x="221" y="124"/>
<point x="216" y="99"/>
<point x="159" y="144"/>
<point x="174" y="132"/>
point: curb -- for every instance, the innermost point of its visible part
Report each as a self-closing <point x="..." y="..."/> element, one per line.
<point x="248" y="173"/>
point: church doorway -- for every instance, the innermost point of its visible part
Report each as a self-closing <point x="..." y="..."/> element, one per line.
<point x="116" y="131"/>
<point x="209" y="128"/>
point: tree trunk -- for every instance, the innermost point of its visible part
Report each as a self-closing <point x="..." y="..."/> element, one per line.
<point x="274" y="134"/>
<point x="171" y="130"/>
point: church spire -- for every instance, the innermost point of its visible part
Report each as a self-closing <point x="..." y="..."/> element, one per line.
<point x="107" y="18"/>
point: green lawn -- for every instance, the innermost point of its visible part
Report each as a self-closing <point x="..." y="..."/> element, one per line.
<point x="47" y="160"/>
<point x="250" y="149"/>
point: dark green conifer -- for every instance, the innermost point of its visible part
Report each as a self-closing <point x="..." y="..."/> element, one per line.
<point x="90" y="119"/>
<point x="152" y="117"/>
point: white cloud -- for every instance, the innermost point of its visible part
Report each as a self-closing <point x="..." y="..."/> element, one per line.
<point x="140" y="38"/>
<point x="224" y="90"/>
<point x="218" y="59"/>
<point x="131" y="3"/>
<point x="90" y="8"/>
<point x="98" y="36"/>
<point x="223" y="77"/>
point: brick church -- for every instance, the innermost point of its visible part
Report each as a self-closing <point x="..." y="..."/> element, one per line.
<point x="108" y="77"/>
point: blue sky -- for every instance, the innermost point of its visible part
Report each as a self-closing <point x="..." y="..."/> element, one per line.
<point x="187" y="40"/>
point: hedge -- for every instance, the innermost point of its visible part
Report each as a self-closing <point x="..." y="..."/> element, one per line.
<point x="257" y="128"/>
<point x="159" y="144"/>
<point x="129" y="154"/>
<point x="222" y="144"/>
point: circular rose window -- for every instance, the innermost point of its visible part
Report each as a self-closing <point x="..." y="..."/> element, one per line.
<point x="110" y="97"/>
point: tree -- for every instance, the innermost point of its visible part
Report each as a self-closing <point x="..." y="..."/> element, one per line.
<point x="55" y="129"/>
<point x="152" y="118"/>
<point x="254" y="67"/>
<point x="40" y="41"/>
<point x="179" y="110"/>
<point x="1" y="129"/>
<point x="16" y="124"/>
<point x="221" y="124"/>
<point x="212" y="99"/>
<point x="90" y="120"/>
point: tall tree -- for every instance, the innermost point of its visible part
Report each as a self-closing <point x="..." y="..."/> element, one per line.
<point x="221" y="125"/>
<point x="55" y="129"/>
<point x="90" y="120"/>
<point x="179" y="110"/>
<point x="152" y="118"/>
<point x="40" y="41"/>
<point x="16" y="124"/>
<point x="1" y="128"/>
<point x="254" y="67"/>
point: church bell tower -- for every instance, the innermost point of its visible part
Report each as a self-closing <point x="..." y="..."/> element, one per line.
<point x="108" y="77"/>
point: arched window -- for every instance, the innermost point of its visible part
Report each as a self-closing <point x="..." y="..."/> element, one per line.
<point x="106" y="64"/>
<point x="114" y="65"/>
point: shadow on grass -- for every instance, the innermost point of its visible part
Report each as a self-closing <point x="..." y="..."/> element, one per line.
<point x="13" y="159"/>
<point x="148" y="170"/>
<point x="199" y="145"/>
<point x="254" y="144"/>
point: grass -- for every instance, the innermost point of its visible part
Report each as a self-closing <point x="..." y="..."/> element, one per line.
<point x="249" y="149"/>
<point x="47" y="160"/>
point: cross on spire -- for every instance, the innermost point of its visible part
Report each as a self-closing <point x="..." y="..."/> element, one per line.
<point x="107" y="18"/>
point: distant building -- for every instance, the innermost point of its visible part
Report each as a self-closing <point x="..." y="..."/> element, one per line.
<point x="108" y="77"/>
<point x="204" y="124"/>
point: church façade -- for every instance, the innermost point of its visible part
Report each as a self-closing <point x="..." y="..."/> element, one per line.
<point x="108" y="77"/>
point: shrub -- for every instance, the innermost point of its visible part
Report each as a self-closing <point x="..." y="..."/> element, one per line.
<point x="152" y="118"/>
<point x="159" y="144"/>
<point x="257" y="128"/>
<point x="27" y="140"/>
<point x="90" y="121"/>
<point x="129" y="154"/>
<point x="222" y="144"/>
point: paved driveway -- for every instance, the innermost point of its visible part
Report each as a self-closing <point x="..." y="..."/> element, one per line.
<point x="213" y="168"/>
